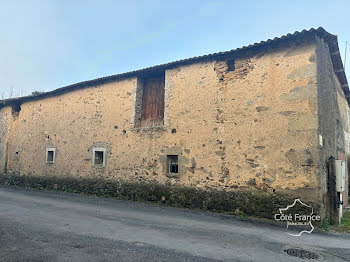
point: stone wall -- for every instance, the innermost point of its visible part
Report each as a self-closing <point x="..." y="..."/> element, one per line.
<point x="344" y="117"/>
<point x="275" y="121"/>
<point x="244" y="127"/>
<point x="5" y="117"/>
<point x="334" y="116"/>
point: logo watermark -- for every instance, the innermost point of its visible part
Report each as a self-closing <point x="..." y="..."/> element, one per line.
<point x="298" y="217"/>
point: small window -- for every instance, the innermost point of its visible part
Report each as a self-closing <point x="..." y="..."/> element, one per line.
<point x="173" y="166"/>
<point x="50" y="155"/>
<point x="99" y="157"/>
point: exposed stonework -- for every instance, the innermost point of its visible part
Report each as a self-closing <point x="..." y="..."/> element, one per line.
<point x="5" y="122"/>
<point x="168" y="95"/>
<point x="334" y="118"/>
<point x="300" y="92"/>
<point x="245" y="128"/>
<point x="136" y="95"/>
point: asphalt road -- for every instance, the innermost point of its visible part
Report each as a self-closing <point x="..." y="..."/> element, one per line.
<point x="50" y="226"/>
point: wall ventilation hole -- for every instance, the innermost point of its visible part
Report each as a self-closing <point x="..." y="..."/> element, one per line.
<point x="231" y="65"/>
<point x="301" y="253"/>
<point x="16" y="108"/>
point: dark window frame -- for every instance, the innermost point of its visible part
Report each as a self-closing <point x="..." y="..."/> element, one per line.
<point x="101" y="161"/>
<point x="50" y="156"/>
<point x="99" y="157"/>
<point x="173" y="164"/>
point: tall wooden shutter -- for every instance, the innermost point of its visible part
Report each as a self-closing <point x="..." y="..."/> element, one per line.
<point x="153" y="102"/>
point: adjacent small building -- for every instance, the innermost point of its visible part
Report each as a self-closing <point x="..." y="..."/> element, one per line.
<point x="244" y="131"/>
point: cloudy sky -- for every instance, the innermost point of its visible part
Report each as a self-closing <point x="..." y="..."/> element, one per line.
<point x="49" y="44"/>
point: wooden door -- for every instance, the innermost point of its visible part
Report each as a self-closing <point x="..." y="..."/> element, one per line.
<point x="153" y="102"/>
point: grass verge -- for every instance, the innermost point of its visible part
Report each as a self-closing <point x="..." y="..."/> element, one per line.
<point x="344" y="226"/>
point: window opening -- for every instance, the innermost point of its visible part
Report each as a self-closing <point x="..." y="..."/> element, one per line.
<point x="173" y="165"/>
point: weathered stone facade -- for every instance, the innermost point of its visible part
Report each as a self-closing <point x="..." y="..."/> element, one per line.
<point x="334" y="116"/>
<point x="245" y="126"/>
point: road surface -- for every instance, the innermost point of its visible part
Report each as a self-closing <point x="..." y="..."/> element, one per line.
<point x="51" y="226"/>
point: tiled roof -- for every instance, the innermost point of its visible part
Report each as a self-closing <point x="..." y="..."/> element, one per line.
<point x="330" y="39"/>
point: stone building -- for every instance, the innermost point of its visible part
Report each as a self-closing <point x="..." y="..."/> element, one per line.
<point x="248" y="130"/>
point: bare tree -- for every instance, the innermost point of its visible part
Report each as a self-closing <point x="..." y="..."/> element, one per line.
<point x="12" y="93"/>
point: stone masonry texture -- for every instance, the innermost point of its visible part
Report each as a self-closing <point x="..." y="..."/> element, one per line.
<point x="246" y="137"/>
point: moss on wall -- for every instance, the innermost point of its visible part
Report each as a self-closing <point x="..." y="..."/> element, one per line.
<point x="251" y="203"/>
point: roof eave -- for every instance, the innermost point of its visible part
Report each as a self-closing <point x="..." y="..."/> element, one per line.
<point x="330" y="39"/>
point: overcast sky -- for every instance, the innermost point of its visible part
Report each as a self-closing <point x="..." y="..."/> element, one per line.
<point x="49" y="44"/>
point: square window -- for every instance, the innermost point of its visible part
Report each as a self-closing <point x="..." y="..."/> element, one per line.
<point x="50" y="155"/>
<point x="173" y="166"/>
<point x="99" y="157"/>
